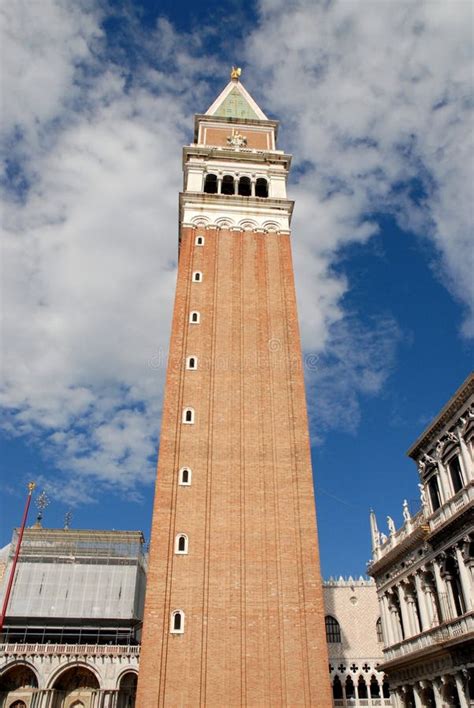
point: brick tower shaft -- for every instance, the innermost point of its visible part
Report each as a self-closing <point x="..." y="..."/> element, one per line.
<point x="234" y="609"/>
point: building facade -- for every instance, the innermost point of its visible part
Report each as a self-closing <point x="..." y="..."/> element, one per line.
<point x="72" y="631"/>
<point x="424" y="570"/>
<point x="234" y="608"/>
<point x="354" y="637"/>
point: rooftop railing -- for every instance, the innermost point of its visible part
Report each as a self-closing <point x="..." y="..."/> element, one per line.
<point x="70" y="649"/>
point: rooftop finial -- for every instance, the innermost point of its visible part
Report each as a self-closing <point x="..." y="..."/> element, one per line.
<point x="41" y="503"/>
<point x="235" y="73"/>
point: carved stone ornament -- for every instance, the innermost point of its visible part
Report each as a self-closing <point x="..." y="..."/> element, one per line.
<point x="236" y="140"/>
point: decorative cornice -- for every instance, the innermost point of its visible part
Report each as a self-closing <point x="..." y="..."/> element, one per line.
<point x="425" y="440"/>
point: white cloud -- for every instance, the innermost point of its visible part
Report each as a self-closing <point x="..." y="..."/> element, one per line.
<point x="376" y="99"/>
<point x="89" y="249"/>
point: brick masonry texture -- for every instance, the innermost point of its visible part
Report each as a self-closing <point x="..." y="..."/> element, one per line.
<point x="250" y="585"/>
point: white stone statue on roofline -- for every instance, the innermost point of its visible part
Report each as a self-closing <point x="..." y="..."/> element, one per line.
<point x="406" y="511"/>
<point x="391" y="525"/>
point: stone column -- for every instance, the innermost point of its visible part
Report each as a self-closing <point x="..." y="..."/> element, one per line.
<point x="466" y="463"/>
<point x="437" y="692"/>
<point x="404" y="612"/>
<point x="461" y="688"/>
<point x="444" y="482"/>
<point x="415" y="627"/>
<point x="419" y="703"/>
<point x="395" y="624"/>
<point x="252" y="186"/>
<point x="441" y="590"/>
<point x="219" y="184"/>
<point x="386" y="622"/>
<point x="465" y="579"/>
<point x="422" y="604"/>
<point x="396" y="699"/>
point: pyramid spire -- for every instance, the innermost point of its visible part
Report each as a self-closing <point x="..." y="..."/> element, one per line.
<point x="235" y="101"/>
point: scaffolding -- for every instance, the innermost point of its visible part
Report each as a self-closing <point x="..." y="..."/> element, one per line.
<point x="77" y="583"/>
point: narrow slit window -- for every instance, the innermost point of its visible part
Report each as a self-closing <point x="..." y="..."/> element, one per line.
<point x="191" y="363"/>
<point x="181" y="544"/>
<point x="197" y="276"/>
<point x="194" y="317"/>
<point x="199" y="241"/>
<point x="185" y="477"/>
<point x="188" y="416"/>
<point x="177" y="622"/>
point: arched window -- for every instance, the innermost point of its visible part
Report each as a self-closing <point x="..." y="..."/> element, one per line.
<point x="199" y="241"/>
<point x="185" y="477"/>
<point x="210" y="184"/>
<point x="188" y="416"/>
<point x="177" y="622"/>
<point x="197" y="276"/>
<point x="350" y="690"/>
<point x="374" y="687"/>
<point x="191" y="362"/>
<point x="245" y="187"/>
<point x="261" y="187"/>
<point x="386" y="689"/>
<point x="181" y="544"/>
<point x="194" y="317"/>
<point x="434" y="493"/>
<point x="456" y="474"/>
<point x="333" y="630"/>
<point x="378" y="629"/>
<point x="227" y="186"/>
<point x="362" y="688"/>
<point x="337" y="688"/>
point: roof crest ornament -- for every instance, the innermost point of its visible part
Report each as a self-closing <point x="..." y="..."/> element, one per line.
<point x="235" y="73"/>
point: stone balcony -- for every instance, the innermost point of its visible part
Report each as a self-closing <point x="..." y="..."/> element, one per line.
<point x="420" y="526"/>
<point x="452" y="506"/>
<point x="444" y="633"/>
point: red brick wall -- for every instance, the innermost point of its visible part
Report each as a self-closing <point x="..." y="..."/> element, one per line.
<point x="250" y="585"/>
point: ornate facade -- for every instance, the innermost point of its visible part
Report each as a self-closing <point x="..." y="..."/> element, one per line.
<point x="74" y="618"/>
<point x="424" y="570"/>
<point x="234" y="609"/>
<point x="353" y="633"/>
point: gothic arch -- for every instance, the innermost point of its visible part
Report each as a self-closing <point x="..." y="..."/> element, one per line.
<point x="127" y="670"/>
<point x="18" y="670"/>
<point x="62" y="670"/>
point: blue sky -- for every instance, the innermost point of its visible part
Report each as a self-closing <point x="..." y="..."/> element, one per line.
<point x="375" y="107"/>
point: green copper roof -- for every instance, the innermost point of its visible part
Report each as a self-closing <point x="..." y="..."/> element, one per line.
<point x="235" y="106"/>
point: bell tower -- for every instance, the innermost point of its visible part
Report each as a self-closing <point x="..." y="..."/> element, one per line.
<point x="234" y="610"/>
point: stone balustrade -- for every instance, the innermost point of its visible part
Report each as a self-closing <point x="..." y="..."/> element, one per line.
<point x="452" y="506"/>
<point x="443" y="633"/>
<point x="70" y="649"/>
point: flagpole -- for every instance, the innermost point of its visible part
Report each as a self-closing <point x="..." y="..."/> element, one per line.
<point x="31" y="487"/>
